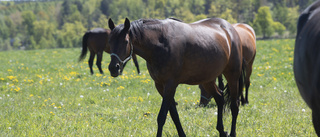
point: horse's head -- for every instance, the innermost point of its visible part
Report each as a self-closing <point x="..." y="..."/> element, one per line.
<point x="120" y="46"/>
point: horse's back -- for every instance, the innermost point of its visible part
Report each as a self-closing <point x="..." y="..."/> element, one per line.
<point x="235" y="60"/>
<point x="307" y="55"/>
<point x="98" y="40"/>
<point x="248" y="40"/>
<point x="306" y="14"/>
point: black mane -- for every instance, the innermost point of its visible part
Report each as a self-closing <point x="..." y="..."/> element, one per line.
<point x="137" y="27"/>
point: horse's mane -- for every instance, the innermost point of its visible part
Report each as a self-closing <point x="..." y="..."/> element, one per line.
<point x="137" y="27"/>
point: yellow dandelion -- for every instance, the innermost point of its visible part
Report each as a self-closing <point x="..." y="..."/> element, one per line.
<point x="260" y="75"/>
<point x="9" y="70"/>
<point x="31" y="95"/>
<point x="275" y="79"/>
<point x="17" y="89"/>
<point x="120" y="88"/>
<point x="140" y="99"/>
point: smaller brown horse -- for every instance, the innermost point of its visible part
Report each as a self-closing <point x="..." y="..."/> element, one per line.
<point x="248" y="42"/>
<point x="96" y="40"/>
<point x="306" y="63"/>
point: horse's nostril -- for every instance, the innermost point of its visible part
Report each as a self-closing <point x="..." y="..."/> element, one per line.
<point x="118" y="66"/>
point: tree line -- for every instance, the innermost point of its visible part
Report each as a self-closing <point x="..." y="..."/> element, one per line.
<point x="62" y="23"/>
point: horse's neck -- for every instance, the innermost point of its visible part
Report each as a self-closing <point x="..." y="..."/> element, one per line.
<point x="142" y="50"/>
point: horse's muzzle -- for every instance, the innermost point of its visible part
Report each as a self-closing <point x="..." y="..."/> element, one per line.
<point x="114" y="69"/>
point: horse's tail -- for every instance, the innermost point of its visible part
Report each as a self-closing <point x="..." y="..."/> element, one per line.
<point x="242" y="81"/>
<point x="227" y="96"/>
<point x="84" y="46"/>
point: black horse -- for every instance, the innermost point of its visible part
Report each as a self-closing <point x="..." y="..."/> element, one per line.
<point x="307" y="60"/>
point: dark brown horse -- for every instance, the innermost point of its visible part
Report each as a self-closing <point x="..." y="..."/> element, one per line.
<point x="248" y="42"/>
<point x="179" y="53"/>
<point x="306" y="63"/>
<point x="96" y="40"/>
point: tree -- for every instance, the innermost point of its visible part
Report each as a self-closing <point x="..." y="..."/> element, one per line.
<point x="104" y="7"/>
<point x="228" y="16"/>
<point x="265" y="21"/>
<point x="291" y="19"/>
<point x="28" y="19"/>
<point x="70" y="35"/>
<point x="279" y="28"/>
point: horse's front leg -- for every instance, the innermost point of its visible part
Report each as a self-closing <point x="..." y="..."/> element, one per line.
<point x="90" y="61"/>
<point x="134" y="57"/>
<point x="167" y="92"/>
<point x="98" y="63"/>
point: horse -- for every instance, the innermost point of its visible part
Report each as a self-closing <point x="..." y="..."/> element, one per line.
<point x="306" y="64"/>
<point x="248" y="42"/>
<point x="96" y="40"/>
<point x="180" y="53"/>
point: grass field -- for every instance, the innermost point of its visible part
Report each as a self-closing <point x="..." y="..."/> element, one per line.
<point x="48" y="93"/>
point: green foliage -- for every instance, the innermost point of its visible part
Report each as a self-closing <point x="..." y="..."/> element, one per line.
<point x="17" y="19"/>
<point x="228" y="16"/>
<point x="291" y="20"/>
<point x="68" y="36"/>
<point x="265" y="21"/>
<point x="28" y="19"/>
<point x="279" y="28"/>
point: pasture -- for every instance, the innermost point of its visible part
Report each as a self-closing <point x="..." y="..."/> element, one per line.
<point x="48" y="93"/>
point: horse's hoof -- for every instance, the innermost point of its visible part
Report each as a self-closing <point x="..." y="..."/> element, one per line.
<point x="224" y="134"/>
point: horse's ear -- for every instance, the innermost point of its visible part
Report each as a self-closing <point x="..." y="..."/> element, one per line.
<point x="127" y="24"/>
<point x="111" y="24"/>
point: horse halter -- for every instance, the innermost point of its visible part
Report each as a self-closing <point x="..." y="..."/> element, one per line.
<point x="125" y="60"/>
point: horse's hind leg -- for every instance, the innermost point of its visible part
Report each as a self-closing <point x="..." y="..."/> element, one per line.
<point x="99" y="59"/>
<point x="134" y="57"/>
<point x="247" y="80"/>
<point x="316" y="121"/>
<point x="92" y="54"/>
<point x="212" y="89"/>
<point x="233" y="96"/>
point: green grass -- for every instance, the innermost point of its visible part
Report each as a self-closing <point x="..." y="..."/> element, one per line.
<point x="48" y="93"/>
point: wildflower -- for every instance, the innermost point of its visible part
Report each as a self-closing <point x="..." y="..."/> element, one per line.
<point x="275" y="79"/>
<point x="140" y="99"/>
<point x="17" y="89"/>
<point x="81" y="96"/>
<point x="52" y="113"/>
<point x="119" y="88"/>
<point x="9" y="70"/>
<point x="260" y="75"/>
<point x="303" y="110"/>
<point x="31" y="95"/>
